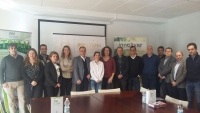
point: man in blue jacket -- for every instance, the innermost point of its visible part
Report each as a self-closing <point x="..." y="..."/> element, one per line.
<point x="150" y="69"/>
<point x="193" y="75"/>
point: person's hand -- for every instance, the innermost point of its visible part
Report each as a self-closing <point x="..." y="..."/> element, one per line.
<point x="162" y="77"/>
<point x="33" y="83"/>
<point x="110" y="80"/>
<point x="58" y="85"/>
<point x="159" y="75"/>
<point x="97" y="81"/>
<point x="5" y="85"/>
<point x="71" y="67"/>
<point x="88" y="76"/>
<point x="79" y="82"/>
<point x="120" y="76"/>
<point x="173" y="83"/>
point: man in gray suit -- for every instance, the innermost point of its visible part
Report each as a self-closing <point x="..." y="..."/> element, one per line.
<point x="164" y="70"/>
<point x="81" y="66"/>
<point x="178" y="77"/>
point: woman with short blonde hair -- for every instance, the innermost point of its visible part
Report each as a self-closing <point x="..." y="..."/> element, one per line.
<point x="53" y="75"/>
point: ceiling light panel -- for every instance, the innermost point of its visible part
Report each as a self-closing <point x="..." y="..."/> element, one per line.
<point x="107" y="5"/>
<point x="56" y="3"/>
<point x="29" y="2"/>
<point x="82" y="4"/>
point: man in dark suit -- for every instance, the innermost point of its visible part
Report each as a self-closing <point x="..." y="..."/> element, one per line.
<point x="121" y="73"/>
<point x="161" y="55"/>
<point x="44" y="58"/>
<point x="160" y="51"/>
<point x="81" y="66"/>
<point x="178" y="77"/>
<point x="164" y="70"/>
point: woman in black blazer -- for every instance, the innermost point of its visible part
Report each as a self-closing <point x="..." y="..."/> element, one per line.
<point x="53" y="75"/>
<point x="33" y="73"/>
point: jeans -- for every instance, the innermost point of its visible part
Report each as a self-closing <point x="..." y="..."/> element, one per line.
<point x="95" y="86"/>
<point x="134" y="82"/>
<point x="193" y="89"/>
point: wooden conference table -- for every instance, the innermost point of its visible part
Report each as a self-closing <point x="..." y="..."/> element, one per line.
<point x="122" y="102"/>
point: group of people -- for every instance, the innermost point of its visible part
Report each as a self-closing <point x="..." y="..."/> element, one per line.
<point x="36" y="74"/>
<point x="177" y="77"/>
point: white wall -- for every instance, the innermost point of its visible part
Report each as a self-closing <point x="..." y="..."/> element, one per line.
<point x="13" y="20"/>
<point x="177" y="33"/>
<point x="119" y="28"/>
<point x="26" y="22"/>
<point x="180" y="31"/>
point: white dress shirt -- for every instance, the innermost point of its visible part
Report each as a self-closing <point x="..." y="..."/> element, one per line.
<point x="166" y="58"/>
<point x="133" y="56"/>
<point x="57" y="70"/>
<point x="96" y="70"/>
<point x="83" y="58"/>
<point x="176" y="68"/>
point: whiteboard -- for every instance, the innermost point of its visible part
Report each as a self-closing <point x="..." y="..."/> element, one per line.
<point x="91" y="43"/>
<point x="47" y="28"/>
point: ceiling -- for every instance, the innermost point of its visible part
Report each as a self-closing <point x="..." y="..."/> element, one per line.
<point x="147" y="8"/>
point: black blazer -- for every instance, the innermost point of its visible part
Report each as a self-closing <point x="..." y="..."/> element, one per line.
<point x="27" y="79"/>
<point x="41" y="59"/>
<point x="124" y="68"/>
<point x="51" y="75"/>
<point x="44" y="63"/>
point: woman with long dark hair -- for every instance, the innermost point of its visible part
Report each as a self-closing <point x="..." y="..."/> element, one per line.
<point x="109" y="66"/>
<point x="97" y="72"/>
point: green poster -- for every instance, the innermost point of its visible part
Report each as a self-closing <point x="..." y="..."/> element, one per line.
<point x="126" y="42"/>
<point x="21" y="39"/>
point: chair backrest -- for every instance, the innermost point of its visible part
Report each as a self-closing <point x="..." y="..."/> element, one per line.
<point x="109" y="90"/>
<point x="142" y="89"/>
<point x="176" y="101"/>
<point x="82" y="92"/>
